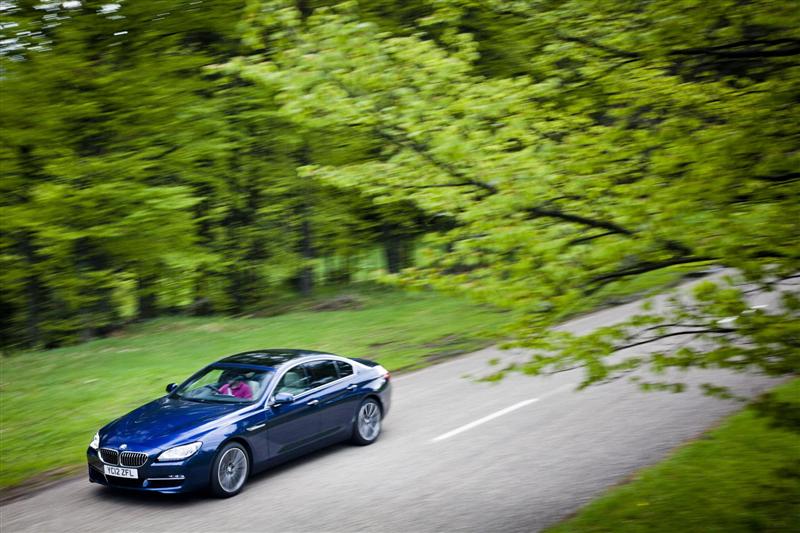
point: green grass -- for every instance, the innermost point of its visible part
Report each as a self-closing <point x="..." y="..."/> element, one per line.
<point x="53" y="401"/>
<point x="742" y="476"/>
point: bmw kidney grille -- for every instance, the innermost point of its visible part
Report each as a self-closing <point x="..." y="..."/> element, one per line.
<point x="130" y="459"/>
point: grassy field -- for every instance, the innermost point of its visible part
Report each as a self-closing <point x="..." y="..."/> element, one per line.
<point x="58" y="398"/>
<point x="53" y="401"/>
<point x="743" y="476"/>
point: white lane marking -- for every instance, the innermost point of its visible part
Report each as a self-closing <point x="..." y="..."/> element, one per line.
<point x="480" y="421"/>
<point x="501" y="412"/>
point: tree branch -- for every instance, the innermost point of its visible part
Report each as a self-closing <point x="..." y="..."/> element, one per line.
<point x="163" y="154"/>
<point x="619" y="348"/>
<point x="768" y="48"/>
<point x="599" y="46"/>
<point x="673" y="325"/>
<point x="546" y="212"/>
<point x="746" y="42"/>
<point x="642" y="268"/>
<point x="422" y="150"/>
<point x="779" y="178"/>
<point x="439" y="185"/>
<point x="588" y="238"/>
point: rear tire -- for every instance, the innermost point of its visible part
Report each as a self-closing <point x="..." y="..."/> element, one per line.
<point x="229" y="471"/>
<point x="367" y="425"/>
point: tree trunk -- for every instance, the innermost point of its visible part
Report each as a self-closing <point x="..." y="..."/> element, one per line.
<point x="396" y="249"/>
<point x="147" y="297"/>
<point x="33" y="293"/>
<point x="348" y="267"/>
<point x="307" y="251"/>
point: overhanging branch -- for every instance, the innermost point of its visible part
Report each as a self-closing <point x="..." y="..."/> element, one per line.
<point x="649" y="340"/>
<point x="421" y="150"/>
<point x="589" y="238"/>
<point x="779" y="178"/>
<point x="600" y="46"/>
<point x="642" y="268"/>
<point x="756" y="48"/>
<point x="549" y="212"/>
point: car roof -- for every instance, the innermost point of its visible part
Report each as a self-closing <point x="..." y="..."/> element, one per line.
<point x="271" y="358"/>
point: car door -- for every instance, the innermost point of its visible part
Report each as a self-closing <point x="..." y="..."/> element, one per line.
<point x="294" y="426"/>
<point x="338" y="397"/>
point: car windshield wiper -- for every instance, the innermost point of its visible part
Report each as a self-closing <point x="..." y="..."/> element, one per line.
<point x="209" y="400"/>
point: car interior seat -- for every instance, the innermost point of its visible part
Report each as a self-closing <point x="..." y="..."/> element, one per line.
<point x="294" y="382"/>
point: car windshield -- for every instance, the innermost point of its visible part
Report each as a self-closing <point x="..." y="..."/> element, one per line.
<point x="224" y="385"/>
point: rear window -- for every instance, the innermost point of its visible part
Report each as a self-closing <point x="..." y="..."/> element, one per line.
<point x="321" y="372"/>
<point x="345" y="369"/>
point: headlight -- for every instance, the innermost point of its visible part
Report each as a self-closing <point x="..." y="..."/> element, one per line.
<point x="179" y="453"/>
<point x="95" y="441"/>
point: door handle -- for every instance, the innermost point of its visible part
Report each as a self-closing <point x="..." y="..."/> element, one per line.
<point x="313" y="402"/>
<point x="352" y="387"/>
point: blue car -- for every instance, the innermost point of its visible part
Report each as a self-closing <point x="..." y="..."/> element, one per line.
<point x="240" y="415"/>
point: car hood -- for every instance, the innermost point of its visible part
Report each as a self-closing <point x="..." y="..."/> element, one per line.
<point x="166" y="421"/>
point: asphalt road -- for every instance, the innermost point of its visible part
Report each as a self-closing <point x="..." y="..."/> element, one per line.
<point x="455" y="455"/>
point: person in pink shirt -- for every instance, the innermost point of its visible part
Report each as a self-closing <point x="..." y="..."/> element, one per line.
<point x="236" y="386"/>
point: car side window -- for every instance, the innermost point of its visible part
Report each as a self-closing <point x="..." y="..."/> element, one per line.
<point x="295" y="381"/>
<point x="321" y="372"/>
<point x="345" y="369"/>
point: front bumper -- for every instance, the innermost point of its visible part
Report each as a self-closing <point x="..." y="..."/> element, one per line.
<point x="168" y="477"/>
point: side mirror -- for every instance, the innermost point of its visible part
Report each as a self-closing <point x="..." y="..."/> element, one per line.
<point x="171" y="387"/>
<point x="282" y="398"/>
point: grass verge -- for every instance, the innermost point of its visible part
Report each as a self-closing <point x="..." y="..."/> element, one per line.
<point x="742" y="476"/>
<point x="53" y="401"/>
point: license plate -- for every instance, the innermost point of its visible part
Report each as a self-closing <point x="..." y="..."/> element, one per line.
<point x="117" y="471"/>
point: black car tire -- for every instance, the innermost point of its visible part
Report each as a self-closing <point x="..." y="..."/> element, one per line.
<point x="231" y="459"/>
<point x="367" y="423"/>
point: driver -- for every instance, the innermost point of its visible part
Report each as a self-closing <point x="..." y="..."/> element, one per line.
<point x="235" y="384"/>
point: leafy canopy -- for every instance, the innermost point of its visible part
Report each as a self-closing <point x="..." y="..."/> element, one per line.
<point x="632" y="139"/>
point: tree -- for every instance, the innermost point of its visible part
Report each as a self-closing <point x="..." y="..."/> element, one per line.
<point x="139" y="180"/>
<point x="92" y="213"/>
<point x="637" y="139"/>
<point x="96" y="218"/>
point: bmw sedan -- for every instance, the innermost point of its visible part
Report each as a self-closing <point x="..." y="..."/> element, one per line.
<point x="240" y="415"/>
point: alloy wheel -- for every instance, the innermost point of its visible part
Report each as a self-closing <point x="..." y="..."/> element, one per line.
<point x="232" y="470"/>
<point x="369" y="421"/>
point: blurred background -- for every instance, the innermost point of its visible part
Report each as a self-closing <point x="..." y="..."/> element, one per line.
<point x="407" y="181"/>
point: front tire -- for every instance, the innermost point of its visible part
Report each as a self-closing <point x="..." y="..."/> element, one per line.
<point x="229" y="471"/>
<point x="367" y="425"/>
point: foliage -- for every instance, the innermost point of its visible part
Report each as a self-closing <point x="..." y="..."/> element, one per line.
<point x="633" y="139"/>
<point x="204" y="158"/>
<point x="138" y="182"/>
<point x="92" y="211"/>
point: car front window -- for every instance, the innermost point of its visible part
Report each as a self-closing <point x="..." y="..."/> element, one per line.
<point x="224" y="385"/>
<point x="295" y="381"/>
